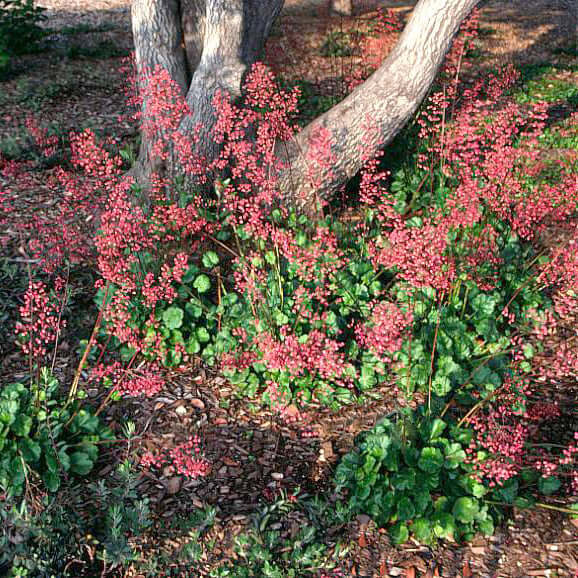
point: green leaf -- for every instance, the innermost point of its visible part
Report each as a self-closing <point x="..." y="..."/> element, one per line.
<point x="80" y="463"/>
<point x="203" y="335"/>
<point x="202" y="283"/>
<point x="465" y="509"/>
<point x="405" y="509"/>
<point x="430" y="460"/>
<point x="422" y="530"/>
<point x="51" y="460"/>
<point x="482" y="375"/>
<point x="524" y="502"/>
<point x="210" y="259"/>
<point x="507" y="491"/>
<point x="280" y="318"/>
<point x="473" y="487"/>
<point x="486" y="526"/>
<point x="399" y="533"/>
<point x="422" y="501"/>
<point x="87" y="421"/>
<point x="52" y="481"/>
<point x="367" y="380"/>
<point x="17" y="472"/>
<point x="441" y="385"/>
<point x="437" y="428"/>
<point x="549" y="485"/>
<point x="194" y="309"/>
<point x="173" y="317"/>
<point x="404" y="480"/>
<point x="455" y="455"/>
<point x="528" y="350"/>
<point x="8" y="411"/>
<point x="192" y="346"/>
<point x="270" y="257"/>
<point x="22" y="425"/>
<point x="444" y="526"/>
<point x="64" y="459"/>
<point x="31" y="450"/>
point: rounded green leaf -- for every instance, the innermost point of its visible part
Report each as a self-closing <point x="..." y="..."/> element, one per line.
<point x="405" y="509"/>
<point x="202" y="283"/>
<point x="548" y="485"/>
<point x="80" y="463"/>
<point x="173" y="317"/>
<point x="436" y="428"/>
<point x="422" y="530"/>
<point x="524" y="502"/>
<point x="465" y="509"/>
<point x="404" y="480"/>
<point x="399" y="533"/>
<point x="444" y="526"/>
<point x="194" y="309"/>
<point x="192" y="346"/>
<point x="486" y="526"/>
<point x="455" y="455"/>
<point x="52" y="481"/>
<point x="441" y="385"/>
<point x="431" y="460"/>
<point x="30" y="450"/>
<point x="507" y="491"/>
<point x="210" y="259"/>
<point x="203" y="335"/>
<point x="22" y="425"/>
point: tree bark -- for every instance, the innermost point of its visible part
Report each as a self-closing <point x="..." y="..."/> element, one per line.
<point x="208" y="45"/>
<point x="235" y="33"/>
<point x="158" y="34"/>
<point x="368" y="119"/>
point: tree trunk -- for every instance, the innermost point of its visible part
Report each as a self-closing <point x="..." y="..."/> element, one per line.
<point x="370" y="117"/>
<point x="158" y="33"/>
<point x="208" y="45"/>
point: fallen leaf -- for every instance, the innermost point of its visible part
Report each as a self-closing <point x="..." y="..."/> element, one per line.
<point x="229" y="462"/>
<point x="363" y="519"/>
<point x="362" y="541"/>
<point x="174" y="484"/>
<point x="198" y="403"/>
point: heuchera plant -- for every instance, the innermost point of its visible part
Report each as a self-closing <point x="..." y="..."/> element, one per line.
<point x="433" y="280"/>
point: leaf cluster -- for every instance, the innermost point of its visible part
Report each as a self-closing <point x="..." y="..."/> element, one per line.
<point x="411" y="476"/>
<point x="43" y="437"/>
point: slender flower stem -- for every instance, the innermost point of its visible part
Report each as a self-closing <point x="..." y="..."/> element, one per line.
<point x="95" y="329"/>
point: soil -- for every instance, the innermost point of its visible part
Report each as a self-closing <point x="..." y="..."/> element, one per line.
<point x="75" y="83"/>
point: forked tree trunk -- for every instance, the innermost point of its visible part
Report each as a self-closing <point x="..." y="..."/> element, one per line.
<point x="207" y="45"/>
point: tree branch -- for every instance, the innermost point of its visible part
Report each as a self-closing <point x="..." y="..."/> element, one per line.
<point x="368" y="119"/>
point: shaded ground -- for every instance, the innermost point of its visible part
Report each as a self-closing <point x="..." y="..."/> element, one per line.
<point x="76" y="83"/>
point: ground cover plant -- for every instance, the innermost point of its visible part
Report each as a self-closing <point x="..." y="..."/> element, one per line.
<point x="440" y="280"/>
<point x="19" y="29"/>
